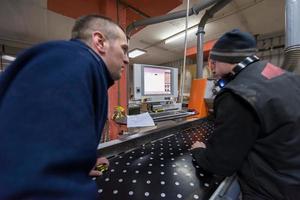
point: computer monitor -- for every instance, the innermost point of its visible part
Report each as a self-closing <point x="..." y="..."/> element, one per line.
<point x="154" y="83"/>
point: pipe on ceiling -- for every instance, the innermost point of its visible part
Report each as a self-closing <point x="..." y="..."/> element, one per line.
<point x="292" y="40"/>
<point x="200" y="34"/>
<point x="171" y="16"/>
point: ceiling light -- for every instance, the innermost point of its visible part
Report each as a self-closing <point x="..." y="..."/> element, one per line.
<point x="180" y="35"/>
<point x="136" y="52"/>
<point x="7" y="57"/>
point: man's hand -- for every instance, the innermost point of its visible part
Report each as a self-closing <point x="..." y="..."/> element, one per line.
<point x="101" y="160"/>
<point x="198" y="145"/>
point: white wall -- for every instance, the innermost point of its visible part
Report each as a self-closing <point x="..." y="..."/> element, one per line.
<point x="26" y="22"/>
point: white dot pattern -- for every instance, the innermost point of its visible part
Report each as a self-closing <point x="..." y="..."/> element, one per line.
<point x="162" y="169"/>
<point x="115" y="191"/>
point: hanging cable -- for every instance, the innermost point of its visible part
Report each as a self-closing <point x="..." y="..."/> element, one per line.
<point x="182" y="77"/>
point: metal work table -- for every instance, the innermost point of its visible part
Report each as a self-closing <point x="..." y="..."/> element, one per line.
<point x="157" y="165"/>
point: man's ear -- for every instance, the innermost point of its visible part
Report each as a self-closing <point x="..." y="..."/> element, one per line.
<point x="99" y="42"/>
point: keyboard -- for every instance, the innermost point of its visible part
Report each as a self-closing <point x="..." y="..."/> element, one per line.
<point x="161" y="116"/>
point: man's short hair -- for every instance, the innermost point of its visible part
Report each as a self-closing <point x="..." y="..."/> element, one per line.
<point x="85" y="25"/>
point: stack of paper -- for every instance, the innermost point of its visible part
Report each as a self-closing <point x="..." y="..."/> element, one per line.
<point x="140" y="120"/>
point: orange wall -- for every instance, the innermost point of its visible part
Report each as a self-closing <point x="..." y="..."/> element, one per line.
<point x="110" y="11"/>
<point x="191" y="52"/>
<point x="75" y="8"/>
<point x="124" y="16"/>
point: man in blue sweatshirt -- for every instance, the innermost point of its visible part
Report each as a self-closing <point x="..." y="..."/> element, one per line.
<point x="53" y="106"/>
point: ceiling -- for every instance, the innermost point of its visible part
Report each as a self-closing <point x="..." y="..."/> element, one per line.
<point x="256" y="16"/>
<point x="26" y="22"/>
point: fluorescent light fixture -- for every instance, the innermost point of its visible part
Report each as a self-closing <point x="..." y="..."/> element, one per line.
<point x="136" y="52"/>
<point x="7" y="57"/>
<point x="180" y="35"/>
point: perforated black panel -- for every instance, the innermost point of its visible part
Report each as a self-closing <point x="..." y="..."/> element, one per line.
<point x="162" y="169"/>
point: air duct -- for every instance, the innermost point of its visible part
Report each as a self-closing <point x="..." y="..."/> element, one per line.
<point x="171" y="16"/>
<point x="292" y="40"/>
<point x="200" y="33"/>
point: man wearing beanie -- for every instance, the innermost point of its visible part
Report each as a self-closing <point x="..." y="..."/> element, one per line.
<point x="257" y="117"/>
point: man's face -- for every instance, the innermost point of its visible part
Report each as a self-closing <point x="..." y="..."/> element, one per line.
<point x="116" y="58"/>
<point x="219" y="69"/>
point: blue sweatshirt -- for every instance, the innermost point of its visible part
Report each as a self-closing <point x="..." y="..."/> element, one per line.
<point x="53" y="107"/>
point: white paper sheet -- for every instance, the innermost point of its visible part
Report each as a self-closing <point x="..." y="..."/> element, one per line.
<point x="140" y="120"/>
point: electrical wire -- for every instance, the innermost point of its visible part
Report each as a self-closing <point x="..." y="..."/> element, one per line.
<point x="182" y="77"/>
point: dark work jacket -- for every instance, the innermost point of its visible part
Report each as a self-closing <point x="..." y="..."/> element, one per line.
<point x="53" y="107"/>
<point x="270" y="169"/>
<point x="272" y="166"/>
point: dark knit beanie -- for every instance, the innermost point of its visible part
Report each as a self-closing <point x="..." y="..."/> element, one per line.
<point x="233" y="47"/>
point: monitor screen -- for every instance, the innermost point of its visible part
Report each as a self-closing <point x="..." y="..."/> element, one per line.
<point x="157" y="81"/>
<point x="154" y="83"/>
